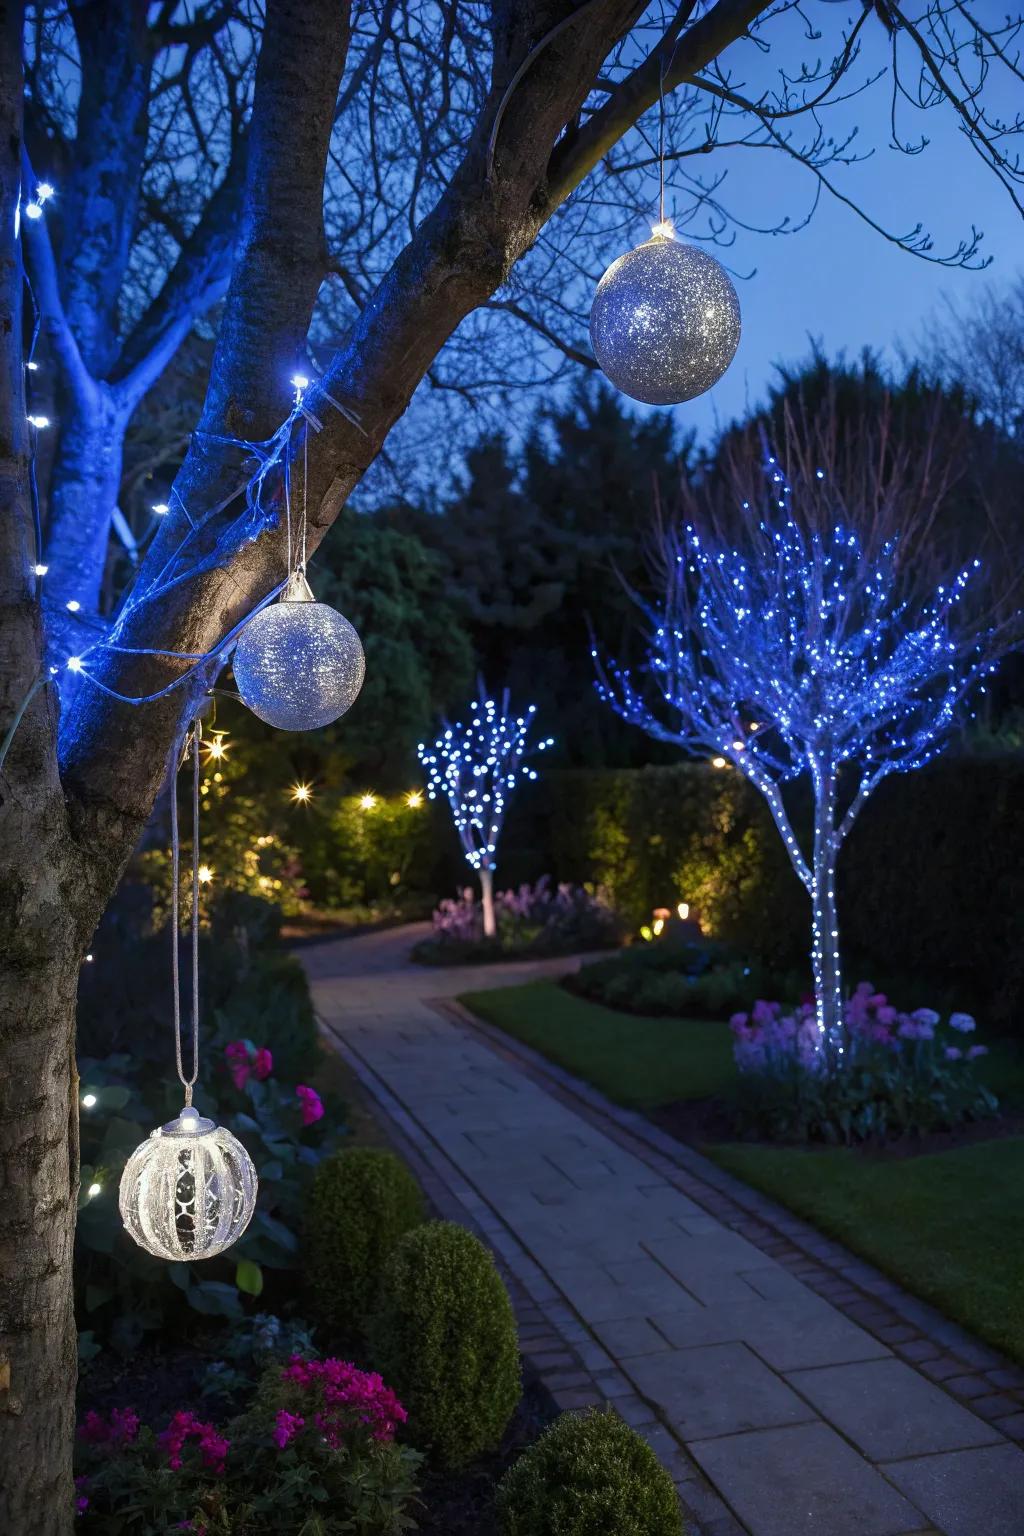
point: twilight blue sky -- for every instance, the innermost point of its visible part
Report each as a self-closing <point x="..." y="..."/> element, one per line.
<point x="838" y="280"/>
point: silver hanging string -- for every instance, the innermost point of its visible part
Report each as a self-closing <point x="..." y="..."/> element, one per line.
<point x="192" y="740"/>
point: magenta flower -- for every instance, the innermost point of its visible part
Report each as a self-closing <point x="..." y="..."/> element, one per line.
<point x="286" y="1427"/>
<point x="120" y="1429"/>
<point x="309" y="1103"/>
<point x="237" y="1056"/>
<point x="81" y="1497"/>
<point x="262" y="1064"/>
<point x="213" y="1447"/>
<point x="351" y="1400"/>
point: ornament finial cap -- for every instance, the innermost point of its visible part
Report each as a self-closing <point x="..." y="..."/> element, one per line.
<point x="298" y="589"/>
<point x="189" y="1123"/>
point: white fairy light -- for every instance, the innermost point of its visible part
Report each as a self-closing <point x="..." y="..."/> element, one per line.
<point x="40" y="570"/>
<point x="72" y="605"/>
<point x="841" y="671"/>
<point x="89" y="1100"/>
<point x="160" y="508"/>
<point x="39" y="422"/>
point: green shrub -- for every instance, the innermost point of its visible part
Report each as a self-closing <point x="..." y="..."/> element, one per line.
<point x="363" y="1201"/>
<point x="445" y="1337"/>
<point x="588" y="1475"/>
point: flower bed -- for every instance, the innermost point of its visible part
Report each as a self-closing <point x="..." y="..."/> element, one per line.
<point x="900" y="1073"/>
<point x="533" y="921"/>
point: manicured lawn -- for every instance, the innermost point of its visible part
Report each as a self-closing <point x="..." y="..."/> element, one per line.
<point x="949" y="1225"/>
<point x="638" y="1062"/>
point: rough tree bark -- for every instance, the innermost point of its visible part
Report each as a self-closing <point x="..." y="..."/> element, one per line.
<point x="65" y="839"/>
<point x="41" y="918"/>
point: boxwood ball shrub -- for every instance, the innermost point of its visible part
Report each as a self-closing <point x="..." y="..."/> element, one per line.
<point x="362" y="1202"/>
<point x="444" y="1336"/>
<point x="588" y="1475"/>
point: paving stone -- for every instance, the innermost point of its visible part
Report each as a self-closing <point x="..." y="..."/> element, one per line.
<point x="807" y="1480"/>
<point x="716" y="1391"/>
<point x="788" y="1335"/>
<point x="626" y="1337"/>
<point x="995" y="1407"/>
<point x="623" y="1290"/>
<point x="967" y="1493"/>
<point x="889" y="1411"/>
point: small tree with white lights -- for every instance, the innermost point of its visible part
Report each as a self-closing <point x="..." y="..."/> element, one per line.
<point x="475" y="766"/>
<point x="809" y="634"/>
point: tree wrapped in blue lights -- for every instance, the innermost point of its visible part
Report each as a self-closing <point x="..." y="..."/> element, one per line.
<point x="806" y="646"/>
<point x="475" y="766"/>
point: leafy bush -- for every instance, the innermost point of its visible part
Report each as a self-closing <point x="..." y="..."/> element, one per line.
<point x="901" y="1073"/>
<point x="445" y="1334"/>
<point x="314" y="1452"/>
<point x="532" y="920"/>
<point x="589" y="1475"/>
<point x="673" y="976"/>
<point x="122" y="1292"/>
<point x="362" y="1201"/>
<point x="365" y="855"/>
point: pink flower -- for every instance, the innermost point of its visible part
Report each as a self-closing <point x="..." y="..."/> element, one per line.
<point x="351" y="1400"/>
<point x="309" y="1102"/>
<point x="81" y="1497"/>
<point x="237" y="1055"/>
<point x="286" y="1427"/>
<point x="121" y="1428"/>
<point x="263" y="1064"/>
<point x="213" y="1447"/>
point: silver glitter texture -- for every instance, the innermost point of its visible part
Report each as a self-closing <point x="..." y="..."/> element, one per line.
<point x="299" y="665"/>
<point x="665" y="322"/>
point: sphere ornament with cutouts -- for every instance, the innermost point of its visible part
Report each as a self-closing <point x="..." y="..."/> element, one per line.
<point x="189" y="1191"/>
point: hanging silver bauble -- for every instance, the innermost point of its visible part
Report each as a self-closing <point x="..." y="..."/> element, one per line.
<point x="299" y="664"/>
<point x="665" y="321"/>
<point x="189" y="1191"/>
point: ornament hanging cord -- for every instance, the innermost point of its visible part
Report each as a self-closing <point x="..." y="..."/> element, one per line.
<point x="192" y="741"/>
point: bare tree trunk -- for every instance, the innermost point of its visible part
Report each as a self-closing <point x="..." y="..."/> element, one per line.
<point x="487" y="898"/>
<point x="825" y="957"/>
<point x="41" y="887"/>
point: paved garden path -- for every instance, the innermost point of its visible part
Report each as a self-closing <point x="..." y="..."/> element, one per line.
<point x="777" y="1413"/>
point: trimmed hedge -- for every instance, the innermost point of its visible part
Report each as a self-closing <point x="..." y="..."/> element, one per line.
<point x="931" y="880"/>
<point x="589" y="1475"/>
<point x="362" y="1203"/>
<point x="444" y="1336"/>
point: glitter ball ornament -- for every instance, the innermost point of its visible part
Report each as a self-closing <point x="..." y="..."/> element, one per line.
<point x="665" y="321"/>
<point x="189" y="1191"/>
<point x="299" y="664"/>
